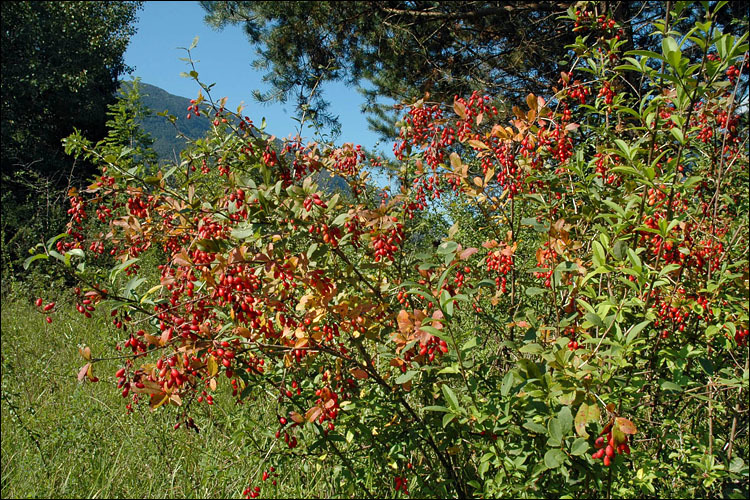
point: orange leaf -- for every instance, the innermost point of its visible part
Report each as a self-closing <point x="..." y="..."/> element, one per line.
<point x="85" y="353"/>
<point x="467" y="253"/>
<point x="531" y="101"/>
<point x="296" y="417"/>
<point x="242" y="332"/>
<point x="626" y="426"/>
<point x="405" y="324"/>
<point x="313" y="413"/>
<point x="358" y="373"/>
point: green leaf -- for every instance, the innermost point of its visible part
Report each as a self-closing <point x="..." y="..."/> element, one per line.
<point x="54" y="239"/>
<point x="579" y="447"/>
<point x="507" y="384"/>
<point x="447" y="418"/>
<point x="600" y="256"/>
<point x="534" y="427"/>
<point x="434" y="331"/>
<point x="635" y="330"/>
<point x="436" y="408"/>
<point x="405" y="377"/>
<point x="554" y="431"/>
<point x="447" y="247"/>
<point x="469" y="344"/>
<point x="594" y="319"/>
<point x="532" y="348"/>
<point x="554" y="458"/>
<point x="132" y="284"/>
<point x="532" y="291"/>
<point x="311" y="250"/>
<point x="242" y="233"/>
<point x="670" y="386"/>
<point x="77" y="252"/>
<point x="566" y="420"/>
<point x="31" y="259"/>
<point x="450" y="397"/>
<point x="449" y="369"/>
<point x="339" y="221"/>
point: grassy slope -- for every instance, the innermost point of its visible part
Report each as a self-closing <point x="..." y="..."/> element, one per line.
<point x="65" y="439"/>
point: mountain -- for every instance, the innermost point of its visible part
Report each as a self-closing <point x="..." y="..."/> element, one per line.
<point x="166" y="142"/>
<point x="168" y="145"/>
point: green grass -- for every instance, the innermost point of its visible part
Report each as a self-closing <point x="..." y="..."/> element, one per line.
<point x="61" y="438"/>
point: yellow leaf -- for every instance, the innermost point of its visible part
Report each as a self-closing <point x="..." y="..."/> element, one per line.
<point x="478" y="144"/>
<point x="455" y="161"/>
<point x="213" y="367"/>
<point x="459" y="109"/>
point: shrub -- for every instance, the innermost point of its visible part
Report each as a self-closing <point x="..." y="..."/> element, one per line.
<point x="579" y="331"/>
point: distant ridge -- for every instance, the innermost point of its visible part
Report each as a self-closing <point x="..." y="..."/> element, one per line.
<point x="166" y="143"/>
<point x="168" y="146"/>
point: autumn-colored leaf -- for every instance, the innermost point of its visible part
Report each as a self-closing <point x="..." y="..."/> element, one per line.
<point x="149" y="387"/>
<point x="243" y="332"/>
<point x="313" y="413"/>
<point x="460" y="109"/>
<point x="296" y="417"/>
<point x="625" y="425"/>
<point x="477" y="144"/>
<point x="405" y="324"/>
<point x="213" y="367"/>
<point x="83" y="371"/>
<point x="359" y="373"/>
<point x="586" y="413"/>
<point x="150" y="339"/>
<point x="85" y="353"/>
<point x="531" y="101"/>
<point x="157" y="400"/>
<point x="455" y="161"/>
<point x="467" y="253"/>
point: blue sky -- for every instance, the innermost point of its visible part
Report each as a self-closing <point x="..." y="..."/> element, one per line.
<point x="225" y="59"/>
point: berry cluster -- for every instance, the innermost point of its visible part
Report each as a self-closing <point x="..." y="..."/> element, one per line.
<point x="193" y="109"/>
<point x="608" y="448"/>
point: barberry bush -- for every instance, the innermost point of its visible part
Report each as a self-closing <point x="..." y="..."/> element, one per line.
<point x="575" y="323"/>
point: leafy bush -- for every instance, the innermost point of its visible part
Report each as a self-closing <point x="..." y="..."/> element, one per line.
<point x="581" y="329"/>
